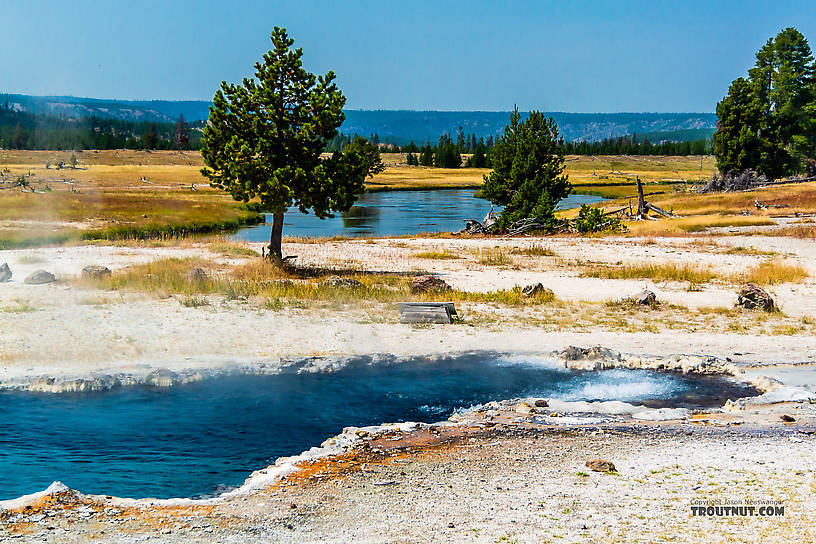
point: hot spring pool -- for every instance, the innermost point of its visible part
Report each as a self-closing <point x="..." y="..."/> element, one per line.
<point x="203" y="438"/>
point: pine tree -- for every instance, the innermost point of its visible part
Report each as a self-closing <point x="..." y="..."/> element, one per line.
<point x="767" y="122"/>
<point x="150" y="138"/>
<point x="265" y="136"/>
<point x="528" y="164"/>
<point x="426" y="157"/>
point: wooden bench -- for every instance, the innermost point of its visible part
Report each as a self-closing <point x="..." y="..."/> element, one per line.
<point x="426" y="312"/>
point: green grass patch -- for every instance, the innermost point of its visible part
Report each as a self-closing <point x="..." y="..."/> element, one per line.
<point x="436" y="255"/>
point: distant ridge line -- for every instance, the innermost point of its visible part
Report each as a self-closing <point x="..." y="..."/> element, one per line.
<point x="399" y="126"/>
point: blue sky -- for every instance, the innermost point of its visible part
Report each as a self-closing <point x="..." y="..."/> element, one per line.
<point x="577" y="56"/>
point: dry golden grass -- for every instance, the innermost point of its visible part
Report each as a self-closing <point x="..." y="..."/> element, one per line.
<point x="775" y="272"/>
<point x="693" y="224"/>
<point x="138" y="194"/>
<point x="657" y="272"/>
<point x="533" y="250"/>
<point x="280" y="285"/>
<point x="609" y="176"/>
<point x="112" y="194"/>
<point x="493" y="256"/>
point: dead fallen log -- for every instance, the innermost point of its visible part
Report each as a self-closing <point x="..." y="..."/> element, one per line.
<point x="760" y="206"/>
<point x="660" y="211"/>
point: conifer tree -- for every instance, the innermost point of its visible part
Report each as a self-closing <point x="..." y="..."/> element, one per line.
<point x="265" y="136"/>
<point x="528" y="164"/>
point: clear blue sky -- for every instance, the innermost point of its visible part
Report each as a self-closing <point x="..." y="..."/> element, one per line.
<point x="578" y="56"/>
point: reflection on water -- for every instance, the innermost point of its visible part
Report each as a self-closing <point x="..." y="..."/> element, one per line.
<point x="393" y="213"/>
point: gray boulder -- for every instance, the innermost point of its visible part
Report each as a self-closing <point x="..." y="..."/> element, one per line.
<point x="644" y="298"/>
<point x="5" y="273"/>
<point x="753" y="297"/>
<point x="427" y="283"/>
<point x="96" y="272"/>
<point x="39" y="277"/>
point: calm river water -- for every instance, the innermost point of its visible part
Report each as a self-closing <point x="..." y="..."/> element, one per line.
<point x="393" y="213"/>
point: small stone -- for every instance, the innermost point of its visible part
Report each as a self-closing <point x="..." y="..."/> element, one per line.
<point x="39" y="277"/>
<point x="96" y="272"/>
<point x="644" y="298"/>
<point x="787" y="418"/>
<point x="535" y="289"/>
<point x="5" y="273"/>
<point x="753" y="297"/>
<point x="541" y="403"/>
<point x="426" y="284"/>
<point x="451" y="525"/>
<point x="524" y="409"/>
<point x="196" y="274"/>
<point x="599" y="465"/>
<point x="731" y="406"/>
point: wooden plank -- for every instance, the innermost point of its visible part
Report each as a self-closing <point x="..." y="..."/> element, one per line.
<point x="438" y="315"/>
<point x="410" y="306"/>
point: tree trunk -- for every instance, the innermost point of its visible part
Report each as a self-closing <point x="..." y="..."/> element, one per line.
<point x="275" y="251"/>
<point x="641" y="202"/>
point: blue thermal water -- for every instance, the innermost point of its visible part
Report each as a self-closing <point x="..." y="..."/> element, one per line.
<point x="194" y="439"/>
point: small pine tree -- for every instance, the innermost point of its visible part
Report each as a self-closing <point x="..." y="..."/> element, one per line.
<point x="528" y="165"/>
<point x="411" y="159"/>
<point x="426" y="158"/>
<point x="150" y="138"/>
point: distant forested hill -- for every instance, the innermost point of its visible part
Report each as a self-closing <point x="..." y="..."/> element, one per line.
<point x="399" y="126"/>
<point x="428" y="125"/>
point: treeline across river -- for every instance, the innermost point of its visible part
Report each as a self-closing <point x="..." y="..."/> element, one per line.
<point x="26" y="130"/>
<point x="447" y="153"/>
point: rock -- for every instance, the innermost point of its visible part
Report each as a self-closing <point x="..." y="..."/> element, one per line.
<point x="787" y="418"/>
<point x="162" y="377"/>
<point x="5" y="273"/>
<point x="96" y="272"/>
<point x="644" y="298"/>
<point x="524" y="409"/>
<point x="594" y="358"/>
<point x="541" y="403"/>
<point x="196" y="274"/>
<point x="535" y="289"/>
<point x="599" y="465"/>
<point x="753" y="297"/>
<point x="39" y="277"/>
<point x="731" y="406"/>
<point x="426" y="284"/>
<point x="337" y="281"/>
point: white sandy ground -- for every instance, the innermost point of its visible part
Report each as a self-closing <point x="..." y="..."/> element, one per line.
<point x="495" y="488"/>
<point x="76" y="331"/>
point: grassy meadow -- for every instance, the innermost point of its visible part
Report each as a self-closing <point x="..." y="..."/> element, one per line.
<point x="121" y="194"/>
